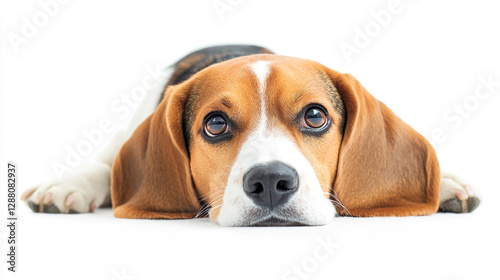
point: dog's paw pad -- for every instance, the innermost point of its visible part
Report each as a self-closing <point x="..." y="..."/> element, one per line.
<point x="456" y="205"/>
<point x="457" y="196"/>
<point x="50" y="208"/>
<point x="473" y="203"/>
<point x="453" y="205"/>
<point x="34" y="207"/>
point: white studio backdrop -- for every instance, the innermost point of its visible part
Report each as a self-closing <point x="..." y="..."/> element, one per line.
<point x="70" y="69"/>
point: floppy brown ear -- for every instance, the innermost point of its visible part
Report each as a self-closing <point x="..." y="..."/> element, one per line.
<point x="151" y="177"/>
<point x="385" y="167"/>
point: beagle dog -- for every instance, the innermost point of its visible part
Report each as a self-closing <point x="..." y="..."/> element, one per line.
<point x="250" y="138"/>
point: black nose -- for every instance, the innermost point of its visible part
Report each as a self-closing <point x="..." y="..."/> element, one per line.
<point x="271" y="185"/>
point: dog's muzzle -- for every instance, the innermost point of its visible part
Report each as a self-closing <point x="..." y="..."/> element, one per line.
<point x="270" y="185"/>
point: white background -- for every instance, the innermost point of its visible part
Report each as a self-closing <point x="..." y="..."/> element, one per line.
<point x="425" y="61"/>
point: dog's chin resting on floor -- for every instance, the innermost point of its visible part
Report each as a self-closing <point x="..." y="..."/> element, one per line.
<point x="251" y="138"/>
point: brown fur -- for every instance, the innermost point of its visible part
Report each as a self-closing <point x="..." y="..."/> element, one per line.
<point x="385" y="167"/>
<point x="381" y="166"/>
<point x="151" y="176"/>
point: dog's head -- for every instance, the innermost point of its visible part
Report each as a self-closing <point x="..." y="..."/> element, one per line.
<point x="267" y="139"/>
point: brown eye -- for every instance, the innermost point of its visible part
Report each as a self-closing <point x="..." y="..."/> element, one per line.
<point x="215" y="125"/>
<point x="315" y="117"/>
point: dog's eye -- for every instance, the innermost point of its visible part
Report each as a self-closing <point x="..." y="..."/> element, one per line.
<point x="315" y="117"/>
<point x="215" y="125"/>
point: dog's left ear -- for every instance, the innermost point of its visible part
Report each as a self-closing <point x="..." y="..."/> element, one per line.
<point x="151" y="177"/>
<point x="385" y="167"/>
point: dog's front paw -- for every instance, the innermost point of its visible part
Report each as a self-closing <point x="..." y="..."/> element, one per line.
<point x="67" y="196"/>
<point x="456" y="195"/>
<point x="80" y="191"/>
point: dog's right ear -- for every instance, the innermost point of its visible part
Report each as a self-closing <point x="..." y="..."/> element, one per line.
<point x="385" y="167"/>
<point x="151" y="177"/>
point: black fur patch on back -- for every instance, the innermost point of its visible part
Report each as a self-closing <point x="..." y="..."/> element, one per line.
<point x="198" y="60"/>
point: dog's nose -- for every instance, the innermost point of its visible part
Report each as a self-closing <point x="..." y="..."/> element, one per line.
<point x="271" y="185"/>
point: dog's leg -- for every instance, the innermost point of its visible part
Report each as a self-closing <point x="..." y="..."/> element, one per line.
<point x="455" y="195"/>
<point x="86" y="188"/>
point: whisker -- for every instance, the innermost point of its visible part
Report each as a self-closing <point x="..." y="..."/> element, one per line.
<point x="336" y="201"/>
<point x="205" y="208"/>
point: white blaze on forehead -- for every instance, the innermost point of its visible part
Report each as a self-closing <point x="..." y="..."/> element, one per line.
<point x="265" y="145"/>
<point x="261" y="70"/>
